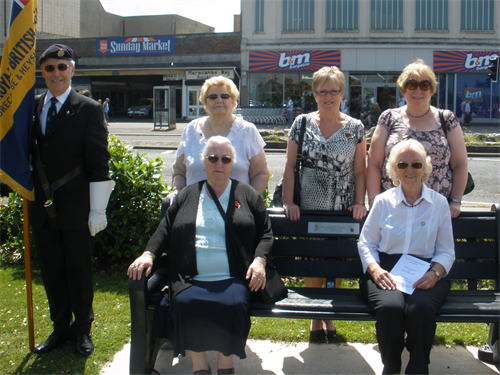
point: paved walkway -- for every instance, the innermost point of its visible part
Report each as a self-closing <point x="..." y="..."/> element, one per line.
<point x="265" y="357"/>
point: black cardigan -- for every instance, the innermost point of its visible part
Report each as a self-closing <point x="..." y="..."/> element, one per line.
<point x="175" y="235"/>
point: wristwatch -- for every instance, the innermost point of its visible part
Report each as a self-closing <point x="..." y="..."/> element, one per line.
<point x="437" y="273"/>
<point x="456" y="201"/>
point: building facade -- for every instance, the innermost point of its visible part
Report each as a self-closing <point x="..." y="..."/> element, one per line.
<point x="371" y="41"/>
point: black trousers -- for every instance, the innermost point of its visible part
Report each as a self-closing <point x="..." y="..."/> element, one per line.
<point x="396" y="313"/>
<point x="65" y="258"/>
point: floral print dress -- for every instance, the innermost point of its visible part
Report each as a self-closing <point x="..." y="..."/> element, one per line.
<point x="434" y="142"/>
<point x="327" y="172"/>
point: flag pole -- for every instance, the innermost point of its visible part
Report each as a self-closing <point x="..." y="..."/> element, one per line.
<point x="27" y="271"/>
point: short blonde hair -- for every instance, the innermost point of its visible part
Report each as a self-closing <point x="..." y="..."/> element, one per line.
<point x="218" y="140"/>
<point x="417" y="70"/>
<point x="328" y="74"/>
<point x="393" y="160"/>
<point x="219" y="81"/>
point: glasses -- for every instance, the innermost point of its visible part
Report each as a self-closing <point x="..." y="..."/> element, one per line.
<point x="60" y="67"/>
<point x="331" y="92"/>
<point x="214" y="158"/>
<point x="415" y="165"/>
<point x="222" y="96"/>
<point x="412" y="85"/>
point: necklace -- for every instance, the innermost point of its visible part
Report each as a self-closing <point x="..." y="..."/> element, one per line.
<point x="220" y="131"/>
<point x="413" y="205"/>
<point x="409" y="114"/>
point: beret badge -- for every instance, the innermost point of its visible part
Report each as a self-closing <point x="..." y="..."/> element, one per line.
<point x="60" y="53"/>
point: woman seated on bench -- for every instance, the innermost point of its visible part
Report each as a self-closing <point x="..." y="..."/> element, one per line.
<point x="407" y="219"/>
<point x="210" y="278"/>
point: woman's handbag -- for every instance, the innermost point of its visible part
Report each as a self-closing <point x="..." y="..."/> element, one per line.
<point x="278" y="190"/>
<point x="274" y="290"/>
<point x="470" y="181"/>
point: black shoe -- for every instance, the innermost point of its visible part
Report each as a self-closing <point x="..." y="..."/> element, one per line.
<point x="53" y="341"/>
<point x="84" y="346"/>
<point x="317" y="336"/>
<point x="228" y="371"/>
<point x="204" y="372"/>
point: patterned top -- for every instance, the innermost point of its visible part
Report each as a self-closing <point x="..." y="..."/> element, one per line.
<point x="327" y="173"/>
<point x="434" y="142"/>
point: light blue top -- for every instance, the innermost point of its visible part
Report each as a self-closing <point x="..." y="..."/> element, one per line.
<point x="211" y="253"/>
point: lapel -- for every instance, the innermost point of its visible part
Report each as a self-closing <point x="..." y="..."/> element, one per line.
<point x="38" y="111"/>
<point x="67" y="110"/>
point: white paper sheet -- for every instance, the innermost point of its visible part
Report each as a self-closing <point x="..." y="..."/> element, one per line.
<point x="407" y="270"/>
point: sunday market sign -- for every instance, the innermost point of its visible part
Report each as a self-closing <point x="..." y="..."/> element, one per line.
<point x="135" y="46"/>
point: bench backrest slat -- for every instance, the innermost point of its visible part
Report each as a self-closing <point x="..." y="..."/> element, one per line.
<point x="324" y="244"/>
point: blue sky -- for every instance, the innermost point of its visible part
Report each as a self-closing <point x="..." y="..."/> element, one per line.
<point x="215" y="13"/>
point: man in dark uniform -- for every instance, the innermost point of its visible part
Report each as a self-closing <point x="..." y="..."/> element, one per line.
<point x="72" y="188"/>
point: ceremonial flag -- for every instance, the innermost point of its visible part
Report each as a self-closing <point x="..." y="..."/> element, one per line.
<point x="17" y="97"/>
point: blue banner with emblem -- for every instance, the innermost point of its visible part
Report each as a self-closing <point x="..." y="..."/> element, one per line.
<point x="17" y="97"/>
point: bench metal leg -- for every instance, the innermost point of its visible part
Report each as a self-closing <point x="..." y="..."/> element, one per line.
<point x="489" y="352"/>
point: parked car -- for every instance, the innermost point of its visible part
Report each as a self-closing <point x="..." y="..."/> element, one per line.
<point x="143" y="108"/>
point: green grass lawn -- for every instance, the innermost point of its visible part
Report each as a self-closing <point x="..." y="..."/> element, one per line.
<point x="111" y="328"/>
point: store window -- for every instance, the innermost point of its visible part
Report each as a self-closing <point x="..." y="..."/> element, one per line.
<point x="477" y="15"/>
<point x="482" y="93"/>
<point x="298" y="15"/>
<point x="259" y="16"/>
<point x="273" y="89"/>
<point x="341" y="15"/>
<point x="431" y="15"/>
<point x="386" y="14"/>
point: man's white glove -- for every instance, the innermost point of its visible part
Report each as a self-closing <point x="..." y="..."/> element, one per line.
<point x="99" y="196"/>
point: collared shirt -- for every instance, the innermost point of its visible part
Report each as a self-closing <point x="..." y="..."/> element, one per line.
<point x="46" y="105"/>
<point x="394" y="228"/>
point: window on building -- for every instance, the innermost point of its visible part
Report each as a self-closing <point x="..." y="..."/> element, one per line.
<point x="298" y="15"/>
<point x="259" y="16"/>
<point x="386" y="14"/>
<point x="477" y="14"/>
<point x="431" y="15"/>
<point x="342" y="14"/>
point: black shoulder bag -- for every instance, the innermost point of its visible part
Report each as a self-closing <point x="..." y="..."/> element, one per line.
<point x="278" y="190"/>
<point x="274" y="290"/>
<point x="470" y="182"/>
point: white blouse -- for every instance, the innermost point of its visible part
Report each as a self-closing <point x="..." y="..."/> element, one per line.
<point x="394" y="228"/>
<point x="244" y="136"/>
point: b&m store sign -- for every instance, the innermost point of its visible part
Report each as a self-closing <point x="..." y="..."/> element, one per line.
<point x="292" y="60"/>
<point x="463" y="61"/>
<point x="135" y="46"/>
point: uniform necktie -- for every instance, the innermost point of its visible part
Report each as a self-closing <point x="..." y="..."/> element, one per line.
<point x="51" y="114"/>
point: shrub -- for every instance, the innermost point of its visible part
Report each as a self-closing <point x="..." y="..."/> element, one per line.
<point x="11" y="227"/>
<point x="134" y="207"/>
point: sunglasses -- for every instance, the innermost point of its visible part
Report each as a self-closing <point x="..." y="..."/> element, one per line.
<point x="331" y="92"/>
<point x="214" y="159"/>
<point x="222" y="96"/>
<point x="61" y="67"/>
<point x="414" y="165"/>
<point x="412" y="85"/>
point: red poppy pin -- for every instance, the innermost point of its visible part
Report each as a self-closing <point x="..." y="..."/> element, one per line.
<point x="237" y="204"/>
<point x="348" y="135"/>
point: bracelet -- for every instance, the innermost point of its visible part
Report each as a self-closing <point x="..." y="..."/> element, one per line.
<point x="455" y="200"/>
<point x="371" y="199"/>
<point x="148" y="254"/>
<point x="362" y="203"/>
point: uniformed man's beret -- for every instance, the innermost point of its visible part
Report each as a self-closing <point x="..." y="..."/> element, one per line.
<point x="57" y="51"/>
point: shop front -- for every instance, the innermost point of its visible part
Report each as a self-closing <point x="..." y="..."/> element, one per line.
<point x="463" y="77"/>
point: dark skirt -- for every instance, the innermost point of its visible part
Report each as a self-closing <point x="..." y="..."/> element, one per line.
<point x="208" y="316"/>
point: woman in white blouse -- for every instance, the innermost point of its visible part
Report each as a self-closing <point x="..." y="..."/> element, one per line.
<point x="219" y="95"/>
<point x="407" y="219"/>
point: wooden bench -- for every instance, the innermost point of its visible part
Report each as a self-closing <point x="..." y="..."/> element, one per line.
<point x="477" y="258"/>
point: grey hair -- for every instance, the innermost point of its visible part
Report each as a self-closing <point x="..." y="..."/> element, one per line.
<point x="409" y="144"/>
<point x="218" y="140"/>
